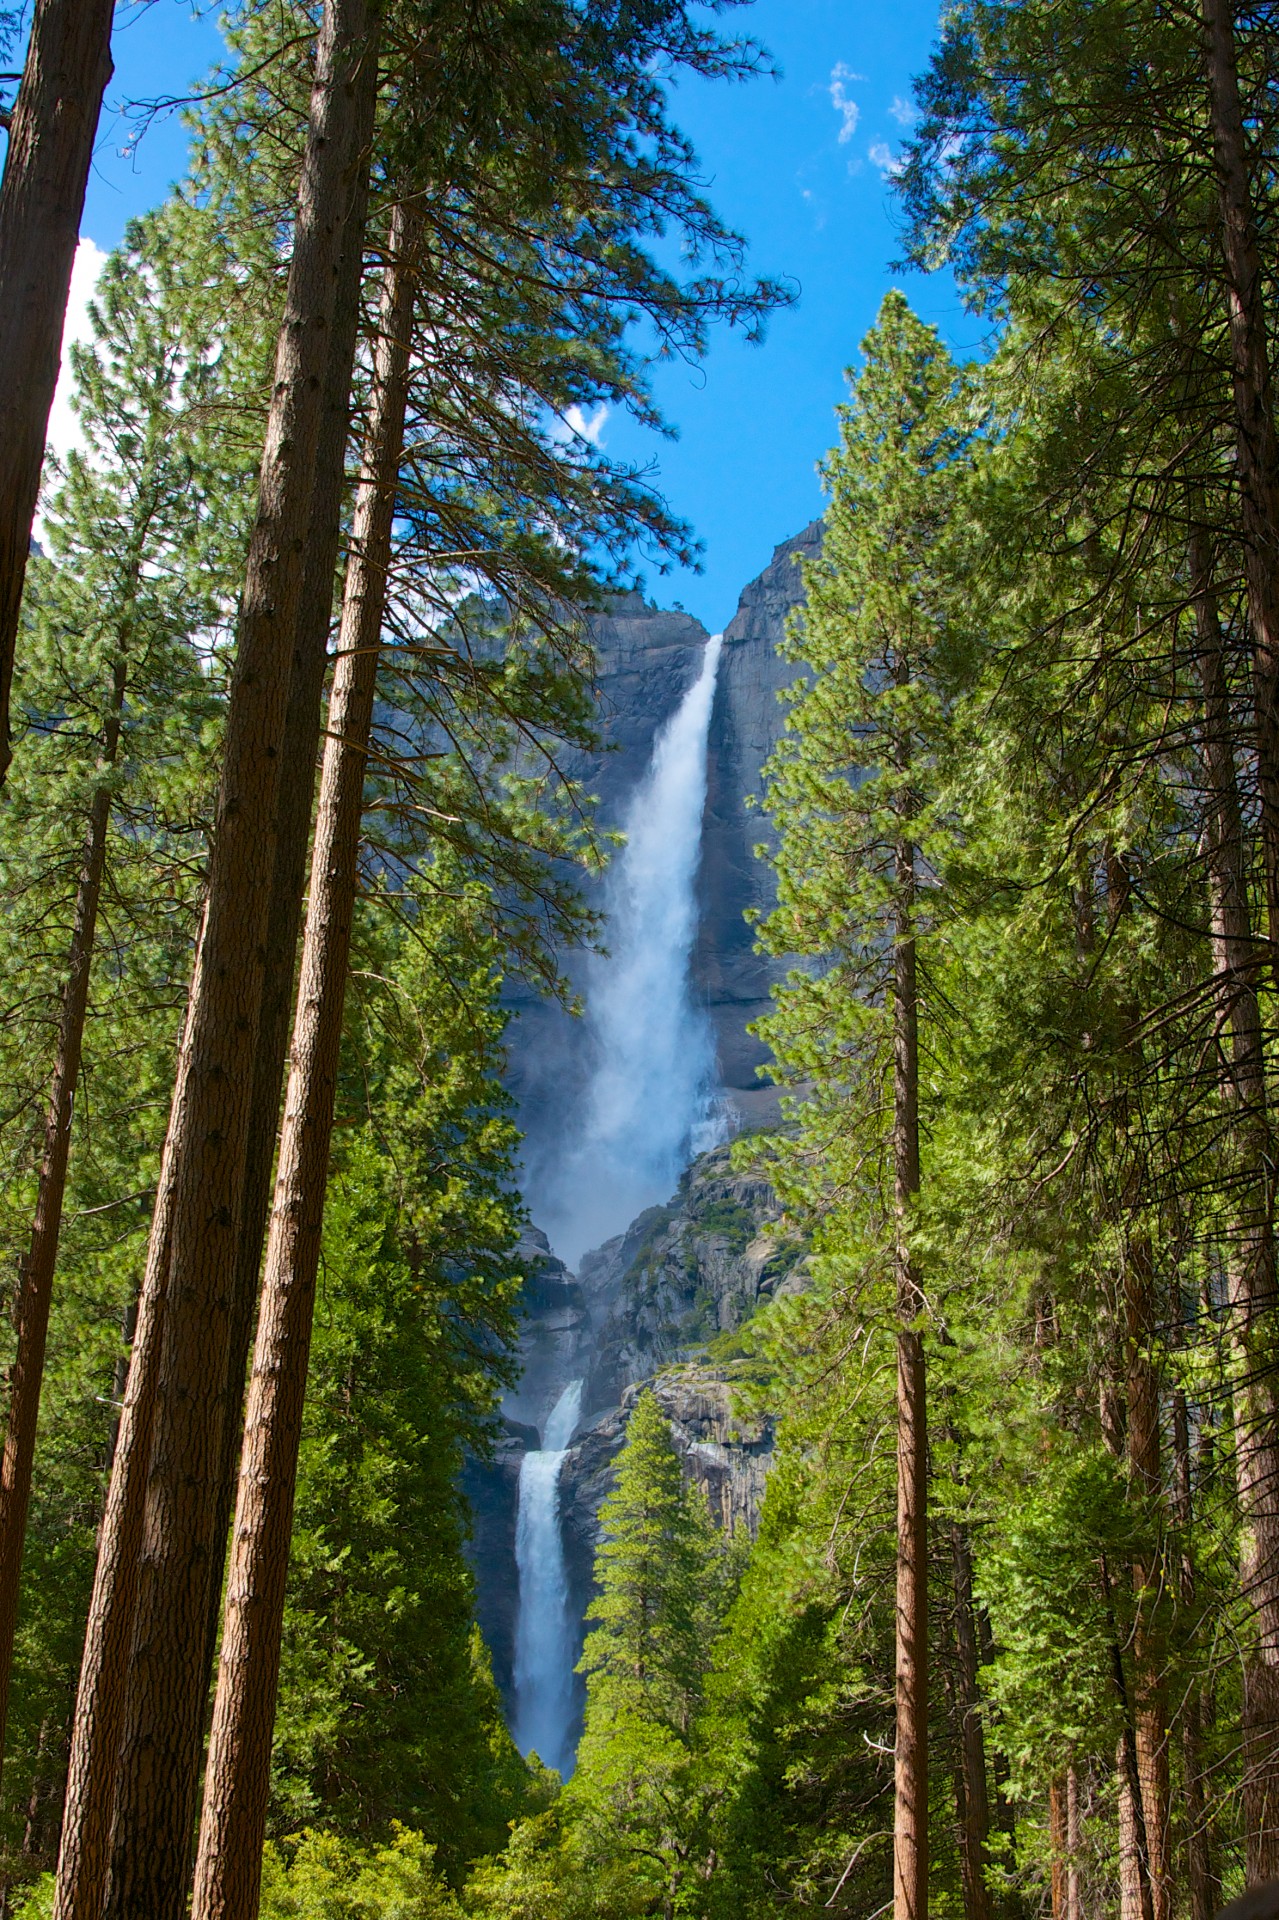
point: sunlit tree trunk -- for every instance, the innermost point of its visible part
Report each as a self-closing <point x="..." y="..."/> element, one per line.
<point x="1203" y="1882"/>
<point x="237" y="1779"/>
<point x="140" y="1713"/>
<point x="55" y="120"/>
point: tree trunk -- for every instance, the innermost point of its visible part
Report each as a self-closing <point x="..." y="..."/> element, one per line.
<point x="910" y="1808"/>
<point x="1251" y="1257"/>
<point x="1057" y="1844"/>
<point x="1150" y="1718"/>
<point x="1203" y="1883"/>
<point x="292" y="839"/>
<point x="237" y="1779"/>
<point x="35" y="1289"/>
<point x="972" y="1792"/>
<point x="1074" y="1846"/>
<point x="55" y="120"/>
<point x="1256" y="461"/>
<point x="147" y="1636"/>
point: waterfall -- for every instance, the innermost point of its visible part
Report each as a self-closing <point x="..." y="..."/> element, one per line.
<point x="543" y="1629"/>
<point x="648" y="1103"/>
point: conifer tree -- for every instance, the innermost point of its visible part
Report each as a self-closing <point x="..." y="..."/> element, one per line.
<point x="849" y="789"/>
<point x="661" y="1573"/>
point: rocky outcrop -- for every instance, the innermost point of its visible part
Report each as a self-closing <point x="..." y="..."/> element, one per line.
<point x="653" y="1308"/>
<point x="746" y="724"/>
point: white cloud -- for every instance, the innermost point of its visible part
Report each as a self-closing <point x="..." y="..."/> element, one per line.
<point x="591" y="428"/>
<point x="904" y="112"/>
<point x="64" y="428"/>
<point x="882" y="156"/>
<point x="848" y="110"/>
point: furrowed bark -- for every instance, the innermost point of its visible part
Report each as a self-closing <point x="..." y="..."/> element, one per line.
<point x="302" y="727"/>
<point x="237" y="1778"/>
<point x="1257" y="472"/>
<point x="910" y="1806"/>
<point x="35" y="1288"/>
<point x="55" y="120"/>
<point x="151" y="1601"/>
<point x="1057" y="1843"/>
<point x="1251" y="1273"/>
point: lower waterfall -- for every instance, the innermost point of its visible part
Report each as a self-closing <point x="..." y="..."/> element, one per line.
<point x="544" y="1636"/>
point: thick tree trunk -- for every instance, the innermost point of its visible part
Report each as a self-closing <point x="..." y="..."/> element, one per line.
<point x="237" y="1779"/>
<point x="55" y="120"/>
<point x="972" y="1793"/>
<point x="148" y="1623"/>
<point x="292" y="838"/>
<point x="1254" y="1298"/>
<point x="1203" y="1882"/>
<point x="35" y="1288"/>
<point x="910" y="1808"/>
<point x="1256" y="453"/>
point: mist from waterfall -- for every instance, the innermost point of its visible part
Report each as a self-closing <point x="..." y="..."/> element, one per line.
<point x="648" y="1106"/>
<point x="543" y="1629"/>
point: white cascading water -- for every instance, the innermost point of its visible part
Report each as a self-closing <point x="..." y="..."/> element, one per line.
<point x="648" y="1106"/>
<point x="543" y="1630"/>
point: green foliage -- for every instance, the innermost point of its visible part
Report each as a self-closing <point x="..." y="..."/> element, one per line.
<point x="317" y="1876"/>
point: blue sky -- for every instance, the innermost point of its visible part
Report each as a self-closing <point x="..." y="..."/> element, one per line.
<point x="799" y="165"/>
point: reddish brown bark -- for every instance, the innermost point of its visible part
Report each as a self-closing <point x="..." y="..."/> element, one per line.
<point x="147" y="1639"/>
<point x="1251" y="1256"/>
<point x="302" y="728"/>
<point x="55" y="119"/>
<point x="1256" y="442"/>
<point x="910" y="1807"/>
<point x="237" y="1778"/>
<point x="35" y="1287"/>
<point x="1057" y="1843"/>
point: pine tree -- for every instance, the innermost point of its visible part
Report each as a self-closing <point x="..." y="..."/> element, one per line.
<point x="849" y="792"/>
<point x="661" y="1573"/>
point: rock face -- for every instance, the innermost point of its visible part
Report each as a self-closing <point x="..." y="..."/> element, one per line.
<point x="644" y="1307"/>
<point x="642" y="1311"/>
<point x="746" y="723"/>
<point x="647" y="659"/>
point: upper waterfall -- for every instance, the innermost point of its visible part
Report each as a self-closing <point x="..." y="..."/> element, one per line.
<point x="649" y="1095"/>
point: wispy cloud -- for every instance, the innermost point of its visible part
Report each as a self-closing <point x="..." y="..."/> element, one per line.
<point x="588" y="427"/>
<point x="904" y="112"/>
<point x="882" y="156"/>
<point x="848" y="110"/>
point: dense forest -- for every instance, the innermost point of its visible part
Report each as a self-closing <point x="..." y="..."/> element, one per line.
<point x="288" y="685"/>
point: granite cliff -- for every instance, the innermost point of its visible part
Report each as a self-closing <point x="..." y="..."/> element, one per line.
<point x="652" y="1304"/>
<point x="647" y="658"/>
